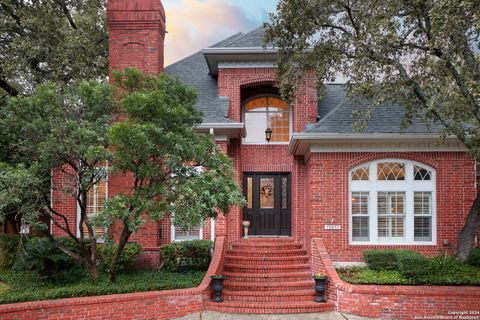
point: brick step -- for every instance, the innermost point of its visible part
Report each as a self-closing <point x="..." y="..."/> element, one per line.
<point x="262" y="252"/>
<point x="270" y="246"/>
<point x="261" y="275"/>
<point x="270" y="307"/>
<point x="271" y="296"/>
<point x="280" y="276"/>
<point x="267" y="257"/>
<point x="278" y="285"/>
<point x="268" y="260"/>
<point x="255" y="268"/>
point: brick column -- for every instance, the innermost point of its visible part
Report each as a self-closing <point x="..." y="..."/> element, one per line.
<point x="136" y="35"/>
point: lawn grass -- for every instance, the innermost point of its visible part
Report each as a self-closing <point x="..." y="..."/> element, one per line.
<point x="466" y="275"/>
<point x="27" y="286"/>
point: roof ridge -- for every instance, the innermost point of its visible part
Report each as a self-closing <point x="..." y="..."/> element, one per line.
<point x="248" y="33"/>
<point x="229" y="39"/>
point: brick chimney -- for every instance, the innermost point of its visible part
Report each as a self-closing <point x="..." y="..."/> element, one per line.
<point x="136" y="35"/>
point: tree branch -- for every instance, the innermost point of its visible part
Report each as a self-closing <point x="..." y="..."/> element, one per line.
<point x="63" y="217"/>
<point x="64" y="248"/>
<point x="350" y="17"/>
<point x="66" y="12"/>
<point x="12" y="13"/>
<point x="8" y="88"/>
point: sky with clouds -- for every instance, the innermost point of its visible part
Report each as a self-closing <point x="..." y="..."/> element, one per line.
<point x="196" y="24"/>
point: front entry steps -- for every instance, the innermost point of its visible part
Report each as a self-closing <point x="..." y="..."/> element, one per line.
<point x="268" y="276"/>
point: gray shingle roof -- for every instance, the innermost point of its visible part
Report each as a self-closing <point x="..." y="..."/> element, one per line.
<point x="251" y="39"/>
<point x="334" y="94"/>
<point x="193" y="72"/>
<point x="336" y="111"/>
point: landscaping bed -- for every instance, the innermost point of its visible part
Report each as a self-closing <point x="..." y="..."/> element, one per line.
<point x="404" y="267"/>
<point x="34" y="269"/>
<point x="26" y="286"/>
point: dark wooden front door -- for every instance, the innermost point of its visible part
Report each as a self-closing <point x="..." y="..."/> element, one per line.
<point x="268" y="203"/>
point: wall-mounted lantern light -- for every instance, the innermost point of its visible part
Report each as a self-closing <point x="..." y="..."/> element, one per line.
<point x="268" y="134"/>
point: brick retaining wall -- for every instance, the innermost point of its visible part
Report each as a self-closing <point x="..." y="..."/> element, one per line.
<point x="141" y="305"/>
<point x="396" y="302"/>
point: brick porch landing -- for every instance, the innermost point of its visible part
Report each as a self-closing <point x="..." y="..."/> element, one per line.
<point x="268" y="276"/>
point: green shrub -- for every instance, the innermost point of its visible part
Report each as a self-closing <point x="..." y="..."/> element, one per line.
<point x="25" y="285"/>
<point x="43" y="257"/>
<point x="194" y="254"/>
<point x="381" y="259"/>
<point x="474" y="257"/>
<point x="126" y="262"/>
<point x="9" y="247"/>
<point x="358" y="275"/>
<point x="413" y="265"/>
<point x="445" y="264"/>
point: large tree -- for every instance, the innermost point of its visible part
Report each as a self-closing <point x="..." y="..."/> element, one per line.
<point x="169" y="167"/>
<point x="423" y="54"/>
<point x="57" y="142"/>
<point x="50" y="40"/>
<point x="69" y="133"/>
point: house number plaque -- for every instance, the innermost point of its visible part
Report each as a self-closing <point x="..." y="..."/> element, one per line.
<point x="333" y="227"/>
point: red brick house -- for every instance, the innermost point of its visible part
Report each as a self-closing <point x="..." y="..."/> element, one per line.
<point x="315" y="178"/>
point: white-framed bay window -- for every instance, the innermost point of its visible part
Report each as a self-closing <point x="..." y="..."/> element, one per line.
<point x="392" y="201"/>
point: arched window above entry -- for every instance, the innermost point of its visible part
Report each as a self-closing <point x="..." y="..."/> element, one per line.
<point x="392" y="202"/>
<point x="266" y="112"/>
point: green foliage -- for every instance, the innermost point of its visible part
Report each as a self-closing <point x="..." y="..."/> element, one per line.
<point x="158" y="145"/>
<point x="385" y="259"/>
<point x="126" y="261"/>
<point x="42" y="41"/>
<point x="194" y="254"/>
<point x="43" y="257"/>
<point x="9" y="247"/>
<point x="413" y="265"/>
<point x="174" y="169"/>
<point x="394" y="51"/>
<point x="474" y="257"/>
<point x="26" y="286"/>
<point x="410" y="267"/>
<point x="61" y="130"/>
<point x="368" y="276"/>
<point x="444" y="264"/>
<point x="381" y="259"/>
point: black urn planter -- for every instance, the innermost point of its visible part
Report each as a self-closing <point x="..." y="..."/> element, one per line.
<point x="217" y="287"/>
<point x="320" y="287"/>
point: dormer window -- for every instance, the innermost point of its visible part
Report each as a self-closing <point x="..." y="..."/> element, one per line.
<point x="266" y="112"/>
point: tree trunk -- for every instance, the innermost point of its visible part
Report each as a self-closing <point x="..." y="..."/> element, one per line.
<point x="112" y="271"/>
<point x="466" y="240"/>
<point x="92" y="269"/>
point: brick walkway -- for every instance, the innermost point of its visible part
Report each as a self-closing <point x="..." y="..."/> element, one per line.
<point x="210" y="315"/>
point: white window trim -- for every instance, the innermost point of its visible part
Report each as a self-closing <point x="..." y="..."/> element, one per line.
<point x="409" y="186"/>
<point x="198" y="169"/>
<point x="290" y="122"/>
<point x="173" y="233"/>
<point x="103" y="238"/>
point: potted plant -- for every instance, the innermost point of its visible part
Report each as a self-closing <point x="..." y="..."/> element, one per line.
<point x="320" y="287"/>
<point x="217" y="287"/>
